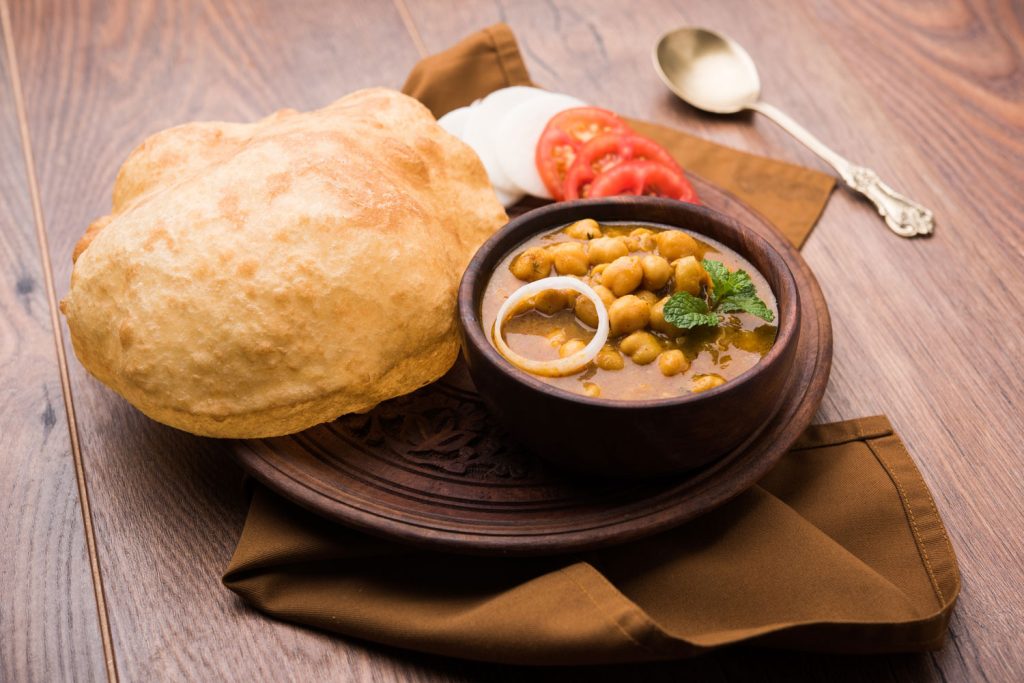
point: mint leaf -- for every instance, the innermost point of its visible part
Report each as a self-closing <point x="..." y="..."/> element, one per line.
<point x="742" y="285"/>
<point x="734" y="292"/>
<point x="720" y="283"/>
<point x="746" y="304"/>
<point x="726" y="283"/>
<point x="686" y="311"/>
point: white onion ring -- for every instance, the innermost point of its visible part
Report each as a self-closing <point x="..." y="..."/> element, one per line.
<point x="561" y="366"/>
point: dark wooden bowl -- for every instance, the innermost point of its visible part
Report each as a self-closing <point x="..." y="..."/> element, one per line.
<point x="640" y="438"/>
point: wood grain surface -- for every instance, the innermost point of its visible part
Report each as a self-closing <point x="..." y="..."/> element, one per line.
<point x="927" y="331"/>
<point x="49" y="628"/>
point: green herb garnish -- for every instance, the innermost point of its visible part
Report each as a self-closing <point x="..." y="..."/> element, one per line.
<point x="686" y="311"/>
<point x="731" y="292"/>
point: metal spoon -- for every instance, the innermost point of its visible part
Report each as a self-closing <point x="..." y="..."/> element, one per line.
<point x="713" y="73"/>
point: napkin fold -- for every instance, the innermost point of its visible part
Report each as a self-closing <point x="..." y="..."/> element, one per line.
<point x="839" y="548"/>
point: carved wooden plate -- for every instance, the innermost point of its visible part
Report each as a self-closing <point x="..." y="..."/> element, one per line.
<point x="433" y="469"/>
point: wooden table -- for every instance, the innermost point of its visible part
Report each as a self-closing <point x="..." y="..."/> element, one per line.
<point x="115" y="529"/>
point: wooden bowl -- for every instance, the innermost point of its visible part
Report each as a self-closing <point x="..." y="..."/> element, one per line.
<point x="635" y="438"/>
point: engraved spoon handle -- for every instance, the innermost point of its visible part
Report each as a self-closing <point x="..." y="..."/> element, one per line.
<point x="904" y="216"/>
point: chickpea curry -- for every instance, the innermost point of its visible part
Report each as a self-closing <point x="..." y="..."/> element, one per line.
<point x="682" y="312"/>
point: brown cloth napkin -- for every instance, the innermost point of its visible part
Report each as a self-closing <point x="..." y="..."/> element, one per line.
<point x="839" y="548"/>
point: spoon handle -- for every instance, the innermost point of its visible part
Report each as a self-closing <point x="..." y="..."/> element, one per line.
<point x="904" y="216"/>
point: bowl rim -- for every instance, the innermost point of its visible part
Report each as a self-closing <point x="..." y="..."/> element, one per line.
<point x="472" y="325"/>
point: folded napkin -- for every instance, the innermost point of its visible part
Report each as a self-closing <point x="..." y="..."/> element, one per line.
<point x="838" y="548"/>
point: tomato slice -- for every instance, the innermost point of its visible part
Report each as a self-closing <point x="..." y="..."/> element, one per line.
<point x="556" y="152"/>
<point x="584" y="123"/>
<point x="564" y="135"/>
<point x="642" y="177"/>
<point x="608" y="150"/>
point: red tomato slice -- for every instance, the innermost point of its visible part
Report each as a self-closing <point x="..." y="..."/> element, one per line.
<point x="564" y="135"/>
<point x="608" y="150"/>
<point x="556" y="152"/>
<point x="584" y="123"/>
<point x="642" y="177"/>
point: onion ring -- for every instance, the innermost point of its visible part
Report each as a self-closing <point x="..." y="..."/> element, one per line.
<point x="561" y="366"/>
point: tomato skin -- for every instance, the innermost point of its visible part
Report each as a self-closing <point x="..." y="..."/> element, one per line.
<point x="584" y="123"/>
<point x="642" y="177"/>
<point x="578" y="180"/>
<point x="606" y="151"/>
<point x="556" y="153"/>
<point x="564" y="136"/>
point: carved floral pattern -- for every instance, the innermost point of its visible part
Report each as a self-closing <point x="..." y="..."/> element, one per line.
<point x="442" y="427"/>
<point x="904" y="216"/>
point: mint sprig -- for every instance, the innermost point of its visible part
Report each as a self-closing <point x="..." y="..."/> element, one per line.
<point x="730" y="292"/>
<point x="686" y="311"/>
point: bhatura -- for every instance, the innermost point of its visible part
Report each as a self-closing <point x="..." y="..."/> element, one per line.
<point x="257" y="279"/>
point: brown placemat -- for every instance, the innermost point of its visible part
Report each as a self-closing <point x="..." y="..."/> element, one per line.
<point x="839" y="548"/>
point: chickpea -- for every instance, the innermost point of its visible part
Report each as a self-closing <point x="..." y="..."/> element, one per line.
<point x="623" y="275"/>
<point x="570" y="347"/>
<point x="628" y="314"/>
<point x="649" y="297"/>
<point x="551" y="301"/>
<point x="585" y="309"/>
<point x="645" y="238"/>
<point x="597" y="272"/>
<point x="657" y="271"/>
<point x="586" y="229"/>
<point x="609" y="358"/>
<point x="705" y="382"/>
<point x="523" y="306"/>
<point x="658" y="322"/>
<point x="570" y="258"/>
<point x="642" y="347"/>
<point x="592" y="390"/>
<point x="675" y="244"/>
<point x="690" y="276"/>
<point x="607" y="249"/>
<point x="648" y="352"/>
<point x="672" y="362"/>
<point x="556" y="337"/>
<point x="533" y="264"/>
<point x="631" y="343"/>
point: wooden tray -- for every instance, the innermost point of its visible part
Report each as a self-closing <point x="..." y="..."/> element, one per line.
<point x="432" y="469"/>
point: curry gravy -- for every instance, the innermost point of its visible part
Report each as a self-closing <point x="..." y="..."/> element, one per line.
<point x="713" y="355"/>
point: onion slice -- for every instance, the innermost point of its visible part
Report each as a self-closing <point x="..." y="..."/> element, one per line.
<point x="561" y="366"/>
<point x="480" y="123"/>
<point x="455" y="121"/>
<point x="516" y="135"/>
<point x="507" y="199"/>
